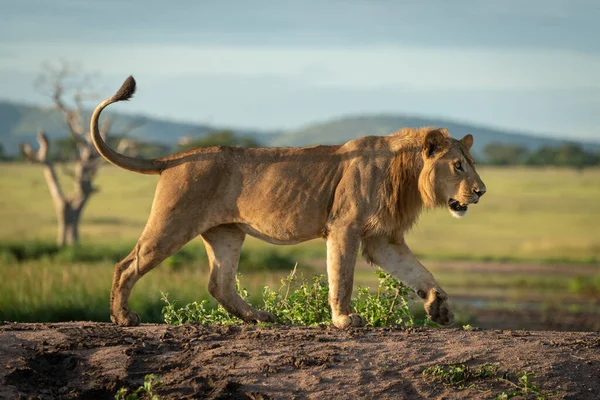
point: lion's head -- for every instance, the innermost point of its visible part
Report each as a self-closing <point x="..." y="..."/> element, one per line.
<point x="448" y="178"/>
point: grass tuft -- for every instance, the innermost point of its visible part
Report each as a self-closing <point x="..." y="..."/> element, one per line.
<point x="462" y="376"/>
<point x="146" y="391"/>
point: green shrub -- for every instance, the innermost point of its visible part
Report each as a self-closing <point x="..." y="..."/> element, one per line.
<point x="201" y="313"/>
<point x="28" y="250"/>
<point x="295" y="303"/>
<point x="305" y="303"/>
<point x="388" y="307"/>
<point x="7" y="257"/>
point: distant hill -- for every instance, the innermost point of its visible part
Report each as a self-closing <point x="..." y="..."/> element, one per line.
<point x="20" y="123"/>
<point x="344" y="129"/>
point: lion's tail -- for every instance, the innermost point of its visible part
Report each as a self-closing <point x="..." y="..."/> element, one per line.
<point x="132" y="164"/>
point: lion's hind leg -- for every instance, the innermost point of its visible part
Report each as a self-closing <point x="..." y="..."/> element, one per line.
<point x="127" y="273"/>
<point x="163" y="235"/>
<point x="223" y="246"/>
<point x="147" y="254"/>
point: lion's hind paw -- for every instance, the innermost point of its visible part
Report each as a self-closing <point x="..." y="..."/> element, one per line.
<point x="127" y="318"/>
<point x="264" y="316"/>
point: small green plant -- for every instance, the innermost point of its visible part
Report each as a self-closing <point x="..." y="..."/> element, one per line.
<point x="299" y="302"/>
<point x="151" y="382"/>
<point x="523" y="388"/>
<point x="201" y="312"/>
<point x="388" y="306"/>
<point x="461" y="375"/>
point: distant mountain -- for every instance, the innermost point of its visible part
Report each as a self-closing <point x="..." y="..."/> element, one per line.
<point x="347" y="128"/>
<point x="20" y="123"/>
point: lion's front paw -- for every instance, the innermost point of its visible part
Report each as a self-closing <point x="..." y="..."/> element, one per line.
<point x="437" y="307"/>
<point x="126" y="318"/>
<point x="347" y="321"/>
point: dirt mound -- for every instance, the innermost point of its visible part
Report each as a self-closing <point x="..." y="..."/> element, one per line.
<point x="94" y="360"/>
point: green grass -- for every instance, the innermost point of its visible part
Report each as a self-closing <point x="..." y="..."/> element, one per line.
<point x="256" y="259"/>
<point x="585" y="285"/>
<point x="462" y="376"/>
<point x="527" y="214"/>
<point x="39" y="291"/>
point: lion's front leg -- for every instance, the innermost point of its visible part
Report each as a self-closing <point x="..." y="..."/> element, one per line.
<point x="398" y="260"/>
<point x="342" y="250"/>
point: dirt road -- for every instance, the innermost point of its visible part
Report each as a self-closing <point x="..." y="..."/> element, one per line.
<point x="94" y="360"/>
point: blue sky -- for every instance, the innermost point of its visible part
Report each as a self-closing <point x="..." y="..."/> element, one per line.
<point x="531" y="65"/>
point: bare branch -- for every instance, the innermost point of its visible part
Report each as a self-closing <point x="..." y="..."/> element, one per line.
<point x="125" y="145"/>
<point x="86" y="152"/>
<point x="53" y="184"/>
<point x="54" y="83"/>
<point x="27" y="151"/>
<point x="67" y="171"/>
<point x="96" y="162"/>
<point x="72" y="116"/>
<point x="41" y="156"/>
<point x="42" y="153"/>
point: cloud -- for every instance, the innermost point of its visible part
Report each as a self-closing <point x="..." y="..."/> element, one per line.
<point x="551" y="24"/>
<point x="508" y="63"/>
<point x="425" y="69"/>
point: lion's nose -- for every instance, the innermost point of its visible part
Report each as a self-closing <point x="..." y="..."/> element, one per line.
<point x="479" y="192"/>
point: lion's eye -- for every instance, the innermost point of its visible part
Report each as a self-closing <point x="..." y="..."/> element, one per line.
<point x="458" y="166"/>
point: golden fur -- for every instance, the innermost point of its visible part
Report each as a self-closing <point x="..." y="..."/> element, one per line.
<point x="368" y="191"/>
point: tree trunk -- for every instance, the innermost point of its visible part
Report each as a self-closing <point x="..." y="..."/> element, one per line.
<point x="68" y="225"/>
<point x="86" y="159"/>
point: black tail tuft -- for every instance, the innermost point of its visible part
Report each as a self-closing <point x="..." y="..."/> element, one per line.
<point x="126" y="91"/>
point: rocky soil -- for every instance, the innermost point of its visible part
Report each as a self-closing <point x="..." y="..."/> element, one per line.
<point x="94" y="360"/>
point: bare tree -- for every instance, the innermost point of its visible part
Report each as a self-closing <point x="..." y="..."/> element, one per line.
<point x="57" y="83"/>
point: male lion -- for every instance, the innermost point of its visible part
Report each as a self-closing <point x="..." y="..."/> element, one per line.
<point x="368" y="191"/>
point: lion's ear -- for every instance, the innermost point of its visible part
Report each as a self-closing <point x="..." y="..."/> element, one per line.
<point x="467" y="141"/>
<point x="435" y="141"/>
